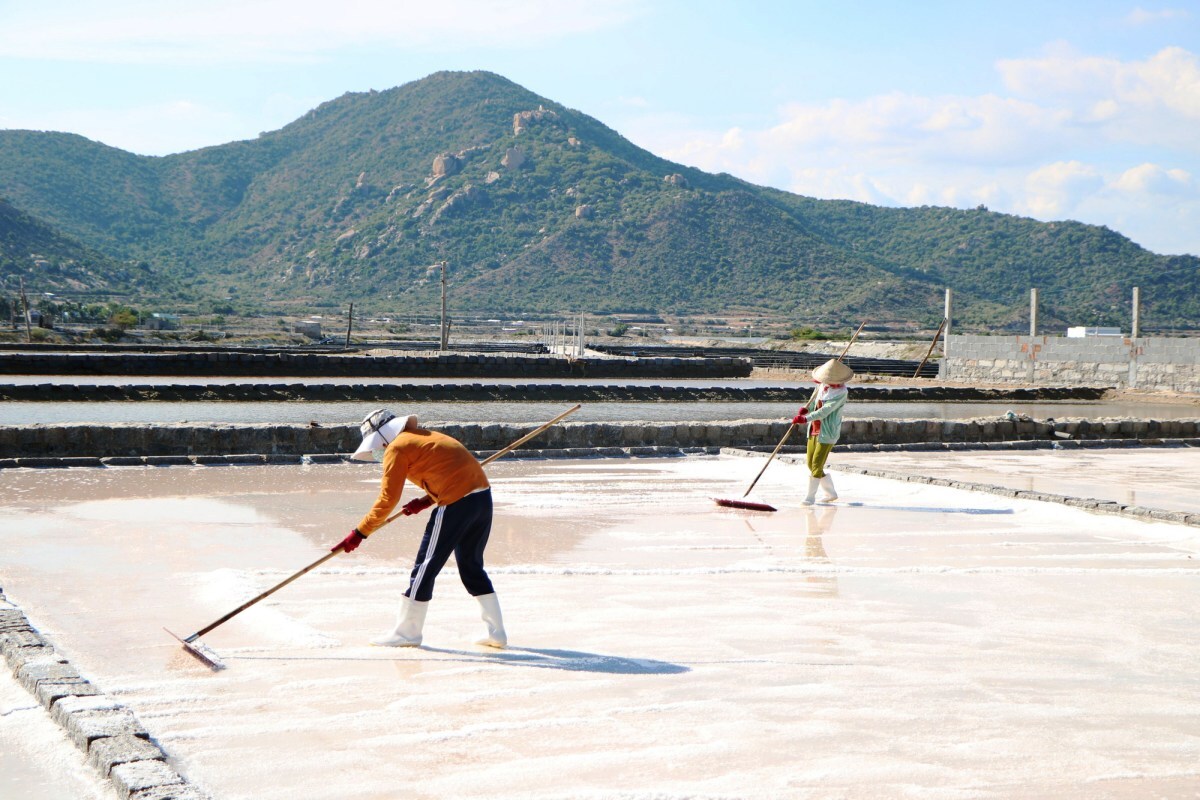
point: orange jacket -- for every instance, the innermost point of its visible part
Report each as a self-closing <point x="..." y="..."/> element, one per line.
<point x="437" y="463"/>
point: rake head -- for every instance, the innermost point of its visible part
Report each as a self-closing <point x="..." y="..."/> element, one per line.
<point x="200" y="651"/>
<point x="747" y="504"/>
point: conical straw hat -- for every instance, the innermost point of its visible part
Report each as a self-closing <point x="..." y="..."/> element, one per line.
<point x="833" y="371"/>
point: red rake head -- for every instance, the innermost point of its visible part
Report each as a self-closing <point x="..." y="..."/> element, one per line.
<point x="746" y="504"/>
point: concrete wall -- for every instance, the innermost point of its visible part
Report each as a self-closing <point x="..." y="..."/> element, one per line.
<point x="184" y="439"/>
<point x="1112" y="361"/>
<point x="514" y="392"/>
<point x="305" y="365"/>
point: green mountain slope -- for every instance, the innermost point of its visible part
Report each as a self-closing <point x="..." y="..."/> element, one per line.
<point x="48" y="261"/>
<point x="537" y="207"/>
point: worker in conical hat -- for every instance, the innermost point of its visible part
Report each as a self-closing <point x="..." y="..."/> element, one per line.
<point x="822" y="415"/>
<point x="453" y="482"/>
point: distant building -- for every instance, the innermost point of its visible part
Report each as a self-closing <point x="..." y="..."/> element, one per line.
<point x="41" y="320"/>
<point x="162" y="322"/>
<point x="1082" y="332"/>
<point x="308" y="327"/>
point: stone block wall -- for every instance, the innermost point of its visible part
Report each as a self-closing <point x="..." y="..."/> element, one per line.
<point x="1111" y="361"/>
<point x="452" y="365"/>
<point x="27" y="443"/>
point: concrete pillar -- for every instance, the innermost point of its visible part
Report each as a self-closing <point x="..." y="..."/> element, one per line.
<point x="1137" y="308"/>
<point x="1033" y="312"/>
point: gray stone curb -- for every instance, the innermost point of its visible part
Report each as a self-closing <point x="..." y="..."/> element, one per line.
<point x="107" y="733"/>
<point x="125" y="444"/>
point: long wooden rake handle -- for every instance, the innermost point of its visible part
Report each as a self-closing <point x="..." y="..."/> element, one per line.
<point x="852" y="338"/>
<point x="264" y="595"/>
<point x="778" y="447"/>
<point x="511" y="447"/>
<point x="338" y="549"/>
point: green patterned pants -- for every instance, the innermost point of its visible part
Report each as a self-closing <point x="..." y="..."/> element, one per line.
<point x="815" y="455"/>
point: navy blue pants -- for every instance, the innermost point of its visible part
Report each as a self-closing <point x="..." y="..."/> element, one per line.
<point x="461" y="528"/>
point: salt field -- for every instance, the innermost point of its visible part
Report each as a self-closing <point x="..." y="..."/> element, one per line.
<point x="1139" y="476"/>
<point x="907" y="641"/>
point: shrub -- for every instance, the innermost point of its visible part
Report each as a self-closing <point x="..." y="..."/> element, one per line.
<point x="108" y="334"/>
<point x="807" y="333"/>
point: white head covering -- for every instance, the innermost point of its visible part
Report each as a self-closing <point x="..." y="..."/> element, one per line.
<point x="378" y="429"/>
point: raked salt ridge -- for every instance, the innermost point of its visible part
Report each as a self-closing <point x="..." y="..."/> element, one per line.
<point x="910" y="640"/>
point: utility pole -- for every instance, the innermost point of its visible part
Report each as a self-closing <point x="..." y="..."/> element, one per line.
<point x="947" y="317"/>
<point x="25" y="305"/>
<point x="445" y="337"/>
<point x="349" y="323"/>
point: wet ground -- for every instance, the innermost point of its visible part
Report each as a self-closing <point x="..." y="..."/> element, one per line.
<point x="909" y="640"/>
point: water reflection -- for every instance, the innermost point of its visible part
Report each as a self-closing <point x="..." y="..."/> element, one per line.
<point x="818" y="520"/>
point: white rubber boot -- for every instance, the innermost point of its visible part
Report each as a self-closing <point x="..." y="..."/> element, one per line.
<point x="408" y="628"/>
<point x="813" y="483"/>
<point x="490" y="604"/>
<point x="827" y="487"/>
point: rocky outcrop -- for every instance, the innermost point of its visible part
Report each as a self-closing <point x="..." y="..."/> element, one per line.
<point x="675" y="179"/>
<point x="522" y="120"/>
<point x="514" y="158"/>
<point x="584" y="212"/>
<point x="458" y="202"/>
<point x="446" y="164"/>
<point x="435" y="197"/>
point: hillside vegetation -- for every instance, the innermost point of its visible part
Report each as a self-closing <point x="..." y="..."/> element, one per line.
<point x="536" y="208"/>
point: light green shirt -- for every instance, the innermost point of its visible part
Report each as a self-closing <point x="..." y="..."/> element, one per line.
<point x="830" y="413"/>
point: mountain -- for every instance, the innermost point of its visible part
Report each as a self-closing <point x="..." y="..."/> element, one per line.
<point x="52" y="262"/>
<point x="540" y="208"/>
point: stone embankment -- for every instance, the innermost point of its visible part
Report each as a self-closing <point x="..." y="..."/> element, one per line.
<point x="446" y="365"/>
<point x="536" y="392"/>
<point x="89" y="444"/>
<point x="106" y="731"/>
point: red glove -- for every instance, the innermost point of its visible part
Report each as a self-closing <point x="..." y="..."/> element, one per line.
<point x="416" y="506"/>
<point x="801" y="418"/>
<point x="350" y="543"/>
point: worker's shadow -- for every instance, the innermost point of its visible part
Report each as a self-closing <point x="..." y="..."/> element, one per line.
<point x="569" y="661"/>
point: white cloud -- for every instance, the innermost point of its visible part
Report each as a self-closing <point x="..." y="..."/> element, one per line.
<point x="1156" y="100"/>
<point x="1054" y="188"/>
<point x="1151" y="179"/>
<point x="1140" y="16"/>
<point x="1070" y="139"/>
<point x="242" y="31"/>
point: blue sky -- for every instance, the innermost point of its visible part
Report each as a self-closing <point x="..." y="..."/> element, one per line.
<point x="1053" y="110"/>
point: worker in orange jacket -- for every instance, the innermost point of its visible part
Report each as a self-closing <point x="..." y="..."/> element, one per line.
<point x="461" y="522"/>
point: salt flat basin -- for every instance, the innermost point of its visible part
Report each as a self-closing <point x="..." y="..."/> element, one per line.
<point x="909" y="641"/>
